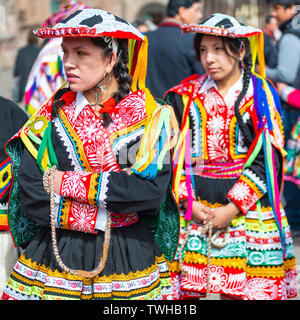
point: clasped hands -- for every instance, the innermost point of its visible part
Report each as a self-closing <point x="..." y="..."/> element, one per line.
<point x="221" y="216"/>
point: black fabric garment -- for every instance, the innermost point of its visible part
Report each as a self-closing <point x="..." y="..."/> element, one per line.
<point x="270" y="51"/>
<point x="126" y="194"/>
<point x="131" y="249"/>
<point x="12" y="118"/>
<point x="289" y="27"/>
<point x="23" y="64"/>
<point x="171" y="58"/>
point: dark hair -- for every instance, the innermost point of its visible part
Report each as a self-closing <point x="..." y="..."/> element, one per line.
<point x="174" y="5"/>
<point x="234" y="45"/>
<point x="269" y="18"/>
<point x="285" y="3"/>
<point x="31" y="38"/>
<point x="120" y="71"/>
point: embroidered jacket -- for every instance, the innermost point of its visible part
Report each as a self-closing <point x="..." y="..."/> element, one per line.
<point x="93" y="158"/>
<point x="217" y="144"/>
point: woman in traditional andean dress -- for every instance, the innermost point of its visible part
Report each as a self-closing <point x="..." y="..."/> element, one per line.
<point x="89" y="241"/>
<point x="235" y="238"/>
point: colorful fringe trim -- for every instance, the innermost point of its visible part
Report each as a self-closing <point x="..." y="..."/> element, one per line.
<point x="266" y="102"/>
<point x="161" y="127"/>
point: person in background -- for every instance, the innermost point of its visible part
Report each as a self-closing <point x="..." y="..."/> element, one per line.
<point x="287" y="71"/>
<point x="47" y="73"/>
<point x="12" y="118"/>
<point x="289" y="94"/>
<point x="292" y="161"/>
<point x="269" y="31"/>
<point x="23" y="64"/>
<point x="141" y="25"/>
<point x="171" y="55"/>
<point x="145" y="24"/>
<point x="287" y="68"/>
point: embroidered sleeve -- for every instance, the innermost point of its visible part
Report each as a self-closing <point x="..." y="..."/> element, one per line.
<point x="247" y="190"/>
<point x="117" y="191"/>
<point x="252" y="184"/>
<point x="85" y="187"/>
<point x="291" y="96"/>
<point x="74" y="215"/>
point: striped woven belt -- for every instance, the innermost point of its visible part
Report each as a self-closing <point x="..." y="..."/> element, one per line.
<point x="3" y="217"/>
<point x="123" y="220"/>
<point x="220" y="170"/>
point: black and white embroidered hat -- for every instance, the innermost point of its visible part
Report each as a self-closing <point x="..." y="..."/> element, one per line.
<point x="219" y="24"/>
<point x="91" y="23"/>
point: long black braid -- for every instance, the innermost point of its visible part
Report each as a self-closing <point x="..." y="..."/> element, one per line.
<point x="235" y="47"/>
<point x="58" y="102"/>
<point x="120" y="71"/>
<point x="246" y="81"/>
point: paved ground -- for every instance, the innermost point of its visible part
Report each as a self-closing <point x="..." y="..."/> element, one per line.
<point x="6" y="84"/>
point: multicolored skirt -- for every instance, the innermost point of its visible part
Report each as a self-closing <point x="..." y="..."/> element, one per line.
<point x="292" y="162"/>
<point x="251" y="266"/>
<point x="135" y="267"/>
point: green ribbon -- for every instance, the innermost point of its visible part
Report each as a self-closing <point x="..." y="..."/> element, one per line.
<point x="46" y="144"/>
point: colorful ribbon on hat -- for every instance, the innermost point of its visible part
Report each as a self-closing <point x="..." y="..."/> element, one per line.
<point x="266" y="103"/>
<point x="161" y="128"/>
<point x="266" y="98"/>
<point x="263" y="142"/>
<point x="182" y="157"/>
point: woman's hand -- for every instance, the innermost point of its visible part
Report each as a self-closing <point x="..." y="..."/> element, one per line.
<point x="280" y="87"/>
<point x="58" y="175"/>
<point x="222" y="216"/>
<point x="200" y="211"/>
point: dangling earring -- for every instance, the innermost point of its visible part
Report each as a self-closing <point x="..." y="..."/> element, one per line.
<point x="242" y="64"/>
<point x="109" y="74"/>
<point x="99" y="88"/>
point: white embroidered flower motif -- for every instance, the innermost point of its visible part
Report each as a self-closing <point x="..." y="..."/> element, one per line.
<point x="290" y="282"/>
<point x="217" y="147"/>
<point x="73" y="184"/>
<point x="218" y="278"/>
<point x="213" y="103"/>
<point x="83" y="216"/>
<point x="261" y="289"/>
<point x="88" y="128"/>
<point x="216" y="124"/>
<point x="70" y="110"/>
<point x="125" y="114"/>
<point x="241" y="191"/>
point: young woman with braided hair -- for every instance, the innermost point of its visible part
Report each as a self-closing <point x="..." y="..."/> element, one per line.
<point x="100" y="152"/>
<point x="235" y="239"/>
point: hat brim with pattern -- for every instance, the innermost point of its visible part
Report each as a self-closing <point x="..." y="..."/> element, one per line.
<point x="222" y="25"/>
<point x="91" y="23"/>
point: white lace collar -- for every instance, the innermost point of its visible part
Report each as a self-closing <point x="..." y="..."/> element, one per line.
<point x="230" y="97"/>
<point x="81" y="103"/>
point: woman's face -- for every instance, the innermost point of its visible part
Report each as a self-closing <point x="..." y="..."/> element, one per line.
<point x="84" y="63"/>
<point x="215" y="60"/>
